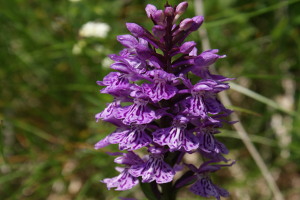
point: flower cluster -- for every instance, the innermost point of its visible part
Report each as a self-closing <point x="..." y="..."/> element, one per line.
<point x="156" y="105"/>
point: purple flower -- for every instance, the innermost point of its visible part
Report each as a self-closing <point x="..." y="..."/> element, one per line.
<point x="109" y="111"/>
<point x="123" y="198"/>
<point x="202" y="63"/>
<point x="205" y="188"/>
<point x="162" y="86"/>
<point x="203" y="185"/>
<point x="116" y="84"/>
<point x="159" y="109"/>
<point x="128" y="41"/>
<point x="132" y="138"/>
<point x="154" y="169"/>
<point x="138" y="113"/>
<point x="203" y="100"/>
<point x="176" y="136"/>
<point x="208" y="143"/>
<point x="124" y="181"/>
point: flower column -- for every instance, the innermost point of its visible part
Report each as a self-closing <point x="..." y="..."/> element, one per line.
<point x="167" y="113"/>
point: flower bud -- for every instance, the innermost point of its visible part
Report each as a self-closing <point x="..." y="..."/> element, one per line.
<point x="159" y="31"/>
<point x="150" y="9"/>
<point x="127" y="40"/>
<point x="187" y="47"/>
<point x="186" y="24"/>
<point x="181" y="8"/>
<point x="169" y="11"/>
<point x="143" y="51"/>
<point x="135" y="29"/>
<point x="158" y="16"/>
<point x="207" y="58"/>
<point x="198" y="20"/>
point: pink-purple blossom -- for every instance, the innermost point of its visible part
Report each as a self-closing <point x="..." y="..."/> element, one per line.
<point x="158" y="108"/>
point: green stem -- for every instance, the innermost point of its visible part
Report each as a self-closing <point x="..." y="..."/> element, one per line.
<point x="168" y="192"/>
<point x="150" y="190"/>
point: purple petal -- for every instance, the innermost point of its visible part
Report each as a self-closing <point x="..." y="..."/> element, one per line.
<point x="221" y="148"/>
<point x="135" y="29"/>
<point x="150" y="9"/>
<point x="117" y="136"/>
<point x="102" y="143"/>
<point x="136" y="170"/>
<point x="181" y="8"/>
<point x="204" y="187"/>
<point x="108" y="112"/>
<point x="185" y="24"/>
<point x="176" y="137"/>
<point x="197" y="107"/>
<point x="169" y="11"/>
<point x="187" y="47"/>
<point x="124" y="181"/>
<point x="159" y="90"/>
<point x="123" y="198"/>
<point x="127" y="40"/>
<point x="213" y="105"/>
<point x="206" y="142"/>
<point x="158" y="16"/>
<point x="155" y="169"/>
<point x="137" y="113"/>
<point x="129" y="158"/>
<point x="135" y="139"/>
<point x="159" y="31"/>
<point x="198" y="20"/>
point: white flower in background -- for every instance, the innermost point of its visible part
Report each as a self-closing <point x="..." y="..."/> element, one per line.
<point x="99" y="48"/>
<point x="77" y="48"/>
<point x="94" y="29"/>
<point x="106" y="62"/>
<point x="74" y="0"/>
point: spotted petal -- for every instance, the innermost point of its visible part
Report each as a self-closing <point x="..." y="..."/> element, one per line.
<point x="155" y="169"/>
<point x="135" y="139"/>
<point x="138" y="113"/>
<point x="124" y="181"/>
<point x="204" y="187"/>
<point x="176" y="138"/>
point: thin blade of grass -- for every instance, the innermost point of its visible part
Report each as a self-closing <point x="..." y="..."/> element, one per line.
<point x="250" y="14"/>
<point x="244" y="110"/>
<point x="259" y="98"/>
<point x="34" y="130"/>
<point x="254" y="138"/>
<point x="2" y="140"/>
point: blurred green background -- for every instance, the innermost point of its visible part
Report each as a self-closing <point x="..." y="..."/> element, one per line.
<point x="49" y="96"/>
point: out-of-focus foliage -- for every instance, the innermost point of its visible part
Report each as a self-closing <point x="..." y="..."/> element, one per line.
<point x="49" y="96"/>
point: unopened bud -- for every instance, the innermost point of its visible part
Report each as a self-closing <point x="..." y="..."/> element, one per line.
<point x="158" y="16"/>
<point x="143" y="51"/>
<point x="159" y="31"/>
<point x="181" y="8"/>
<point x="127" y="40"/>
<point x="150" y="9"/>
<point x="186" y="24"/>
<point x="135" y="29"/>
<point x="187" y="47"/>
<point x="198" y="20"/>
<point x="169" y="11"/>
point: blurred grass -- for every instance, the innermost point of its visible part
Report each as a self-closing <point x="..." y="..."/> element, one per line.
<point x="49" y="96"/>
